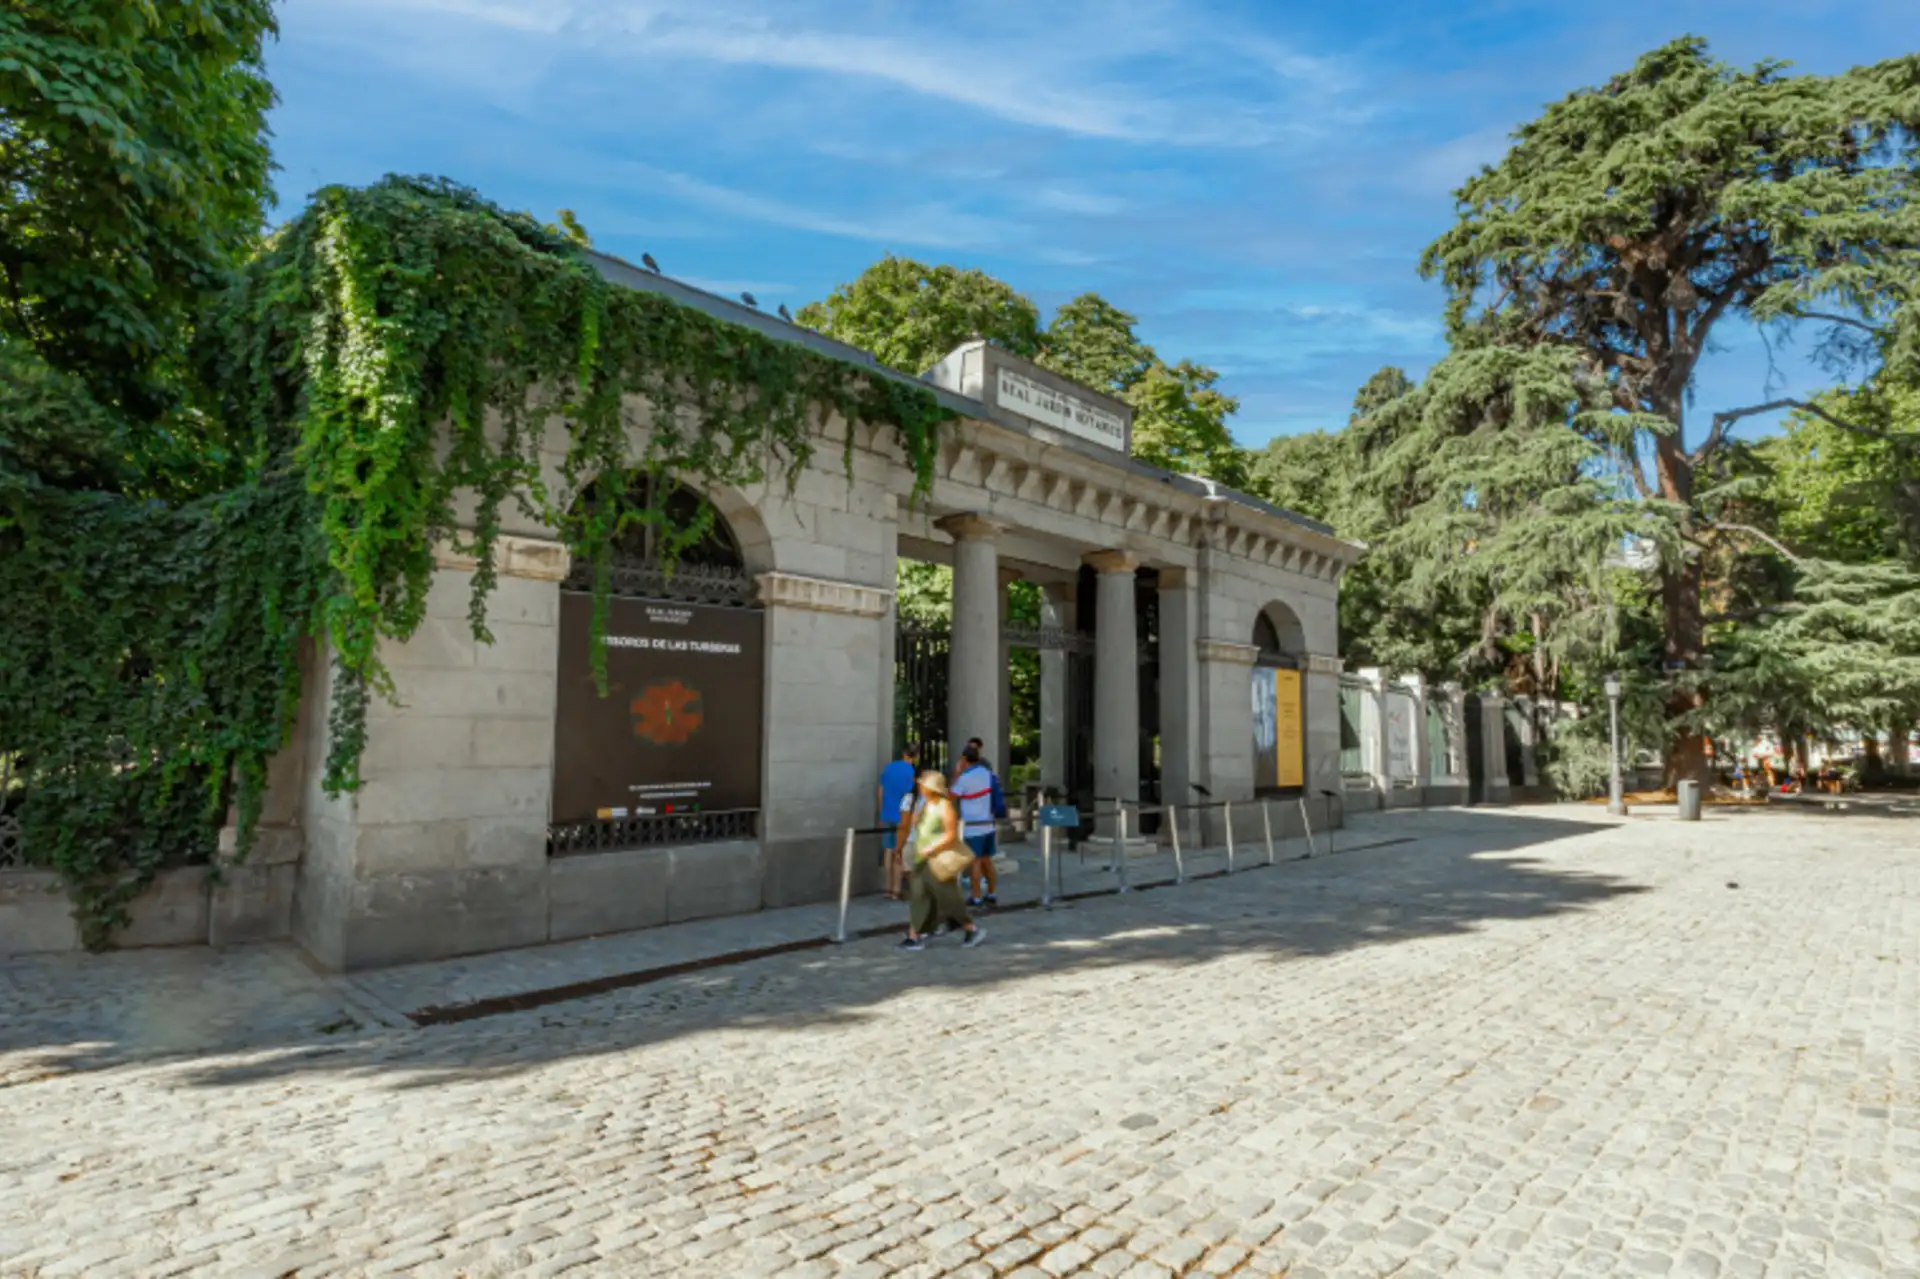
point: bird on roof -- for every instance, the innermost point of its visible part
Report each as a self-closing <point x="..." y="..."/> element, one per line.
<point x="786" y="314"/>
<point x="748" y="298"/>
<point x="646" y="260"/>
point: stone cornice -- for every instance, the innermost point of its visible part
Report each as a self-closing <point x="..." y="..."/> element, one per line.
<point x="1322" y="664"/>
<point x="990" y="456"/>
<point x="823" y="595"/>
<point x="1219" y="650"/>
<point x="530" y="557"/>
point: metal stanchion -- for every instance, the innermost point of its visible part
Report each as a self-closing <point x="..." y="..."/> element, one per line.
<point x="1046" y="868"/>
<point x="846" y="888"/>
<point x="1229" y="837"/>
<point x="1179" y="863"/>
<point x="1306" y="824"/>
<point x="1120" y="844"/>
<point x="1266" y="824"/>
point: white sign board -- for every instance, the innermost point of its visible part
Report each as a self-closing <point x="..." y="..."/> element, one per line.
<point x="1063" y="412"/>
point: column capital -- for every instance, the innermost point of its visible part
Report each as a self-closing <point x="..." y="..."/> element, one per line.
<point x="1323" y="664"/>
<point x="1176" y="579"/>
<point x="1111" y="561"/>
<point x="969" y="525"/>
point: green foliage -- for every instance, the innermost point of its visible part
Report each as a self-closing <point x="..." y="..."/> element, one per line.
<point x="1843" y="651"/>
<point x="909" y="315"/>
<point x="1843" y="495"/>
<point x="133" y="154"/>
<point x="390" y="368"/>
<point x="923" y="592"/>
<point x="1629" y="221"/>
<point x="1306" y="473"/>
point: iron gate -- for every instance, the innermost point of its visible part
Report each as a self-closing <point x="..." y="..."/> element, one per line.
<point x="920" y="652"/>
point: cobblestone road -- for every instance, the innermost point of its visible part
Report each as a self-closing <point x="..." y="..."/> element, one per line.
<point x="1527" y="1044"/>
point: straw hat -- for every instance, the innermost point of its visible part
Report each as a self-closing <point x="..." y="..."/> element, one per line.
<point x="934" y="783"/>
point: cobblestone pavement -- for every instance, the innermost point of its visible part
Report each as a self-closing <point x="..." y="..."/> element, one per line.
<point x="1522" y="1044"/>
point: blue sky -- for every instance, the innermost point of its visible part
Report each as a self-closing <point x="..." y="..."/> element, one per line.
<point x="1254" y="180"/>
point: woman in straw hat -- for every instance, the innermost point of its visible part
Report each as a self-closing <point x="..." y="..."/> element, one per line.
<point x="932" y="899"/>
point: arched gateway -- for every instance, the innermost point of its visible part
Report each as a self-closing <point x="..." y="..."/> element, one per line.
<point x="1183" y="652"/>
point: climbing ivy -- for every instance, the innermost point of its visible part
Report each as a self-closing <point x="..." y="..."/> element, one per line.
<point x="394" y="367"/>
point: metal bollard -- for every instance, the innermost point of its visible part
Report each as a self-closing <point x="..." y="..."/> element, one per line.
<point x="846" y="889"/>
<point x="1266" y="824"/>
<point x="1046" y="868"/>
<point x="1306" y="824"/>
<point x="1120" y="845"/>
<point x="1179" y="863"/>
<point x="1229" y="837"/>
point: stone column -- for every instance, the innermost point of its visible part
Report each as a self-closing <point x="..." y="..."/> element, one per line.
<point x="973" y="662"/>
<point x="1179" y="688"/>
<point x="1116" y="678"/>
<point x="1056" y="614"/>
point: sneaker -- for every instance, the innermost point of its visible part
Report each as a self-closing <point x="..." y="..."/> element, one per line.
<point x="991" y="899"/>
<point x="912" y="943"/>
<point x="974" y="903"/>
<point x="975" y="937"/>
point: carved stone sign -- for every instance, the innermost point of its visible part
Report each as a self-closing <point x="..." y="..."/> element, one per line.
<point x="1058" y="409"/>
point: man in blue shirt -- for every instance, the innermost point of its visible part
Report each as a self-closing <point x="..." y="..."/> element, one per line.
<point x="896" y="787"/>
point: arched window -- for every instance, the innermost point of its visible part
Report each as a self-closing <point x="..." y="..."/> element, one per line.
<point x="1266" y="638"/>
<point x="710" y="569"/>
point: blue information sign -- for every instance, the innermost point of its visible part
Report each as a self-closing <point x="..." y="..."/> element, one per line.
<point x="1059" y="815"/>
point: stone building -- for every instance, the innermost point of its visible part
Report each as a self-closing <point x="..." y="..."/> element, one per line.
<point x="1180" y="619"/>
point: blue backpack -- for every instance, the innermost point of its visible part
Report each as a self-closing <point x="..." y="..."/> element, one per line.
<point x="999" y="800"/>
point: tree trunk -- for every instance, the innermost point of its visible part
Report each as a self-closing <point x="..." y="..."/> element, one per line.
<point x="1684" y="621"/>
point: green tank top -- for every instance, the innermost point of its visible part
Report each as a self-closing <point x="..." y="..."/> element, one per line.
<point x="928" y="830"/>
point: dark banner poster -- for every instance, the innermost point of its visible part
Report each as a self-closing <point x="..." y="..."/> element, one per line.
<point x="679" y="729"/>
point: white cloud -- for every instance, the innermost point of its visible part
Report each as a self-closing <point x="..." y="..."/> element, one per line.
<point x="1057" y="67"/>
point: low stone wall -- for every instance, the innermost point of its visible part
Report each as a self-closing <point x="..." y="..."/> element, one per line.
<point x="184" y="907"/>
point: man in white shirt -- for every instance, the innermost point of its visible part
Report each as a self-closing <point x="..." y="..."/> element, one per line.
<point x="973" y="789"/>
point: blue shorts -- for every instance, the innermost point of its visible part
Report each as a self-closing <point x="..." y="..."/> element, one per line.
<point x="888" y="838"/>
<point x="984" y="845"/>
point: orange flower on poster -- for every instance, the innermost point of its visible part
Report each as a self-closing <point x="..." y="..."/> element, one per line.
<point x="667" y="714"/>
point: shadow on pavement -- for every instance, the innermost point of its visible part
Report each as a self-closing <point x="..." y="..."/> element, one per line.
<point x="1459" y="872"/>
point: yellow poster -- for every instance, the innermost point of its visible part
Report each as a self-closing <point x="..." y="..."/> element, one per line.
<point x="1289" y="747"/>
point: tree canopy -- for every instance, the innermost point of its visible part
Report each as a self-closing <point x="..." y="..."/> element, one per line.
<point x="909" y="315"/>
<point x="134" y="163"/>
<point x="1628" y="222"/>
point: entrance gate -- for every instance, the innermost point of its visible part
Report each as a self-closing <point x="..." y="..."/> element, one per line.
<point x="920" y="652"/>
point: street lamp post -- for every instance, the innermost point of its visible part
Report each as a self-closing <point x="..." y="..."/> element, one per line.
<point x="1616" y="793"/>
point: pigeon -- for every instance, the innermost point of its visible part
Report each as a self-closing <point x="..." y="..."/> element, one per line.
<point x="786" y="314"/>
<point x="748" y="298"/>
<point x="646" y="260"/>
